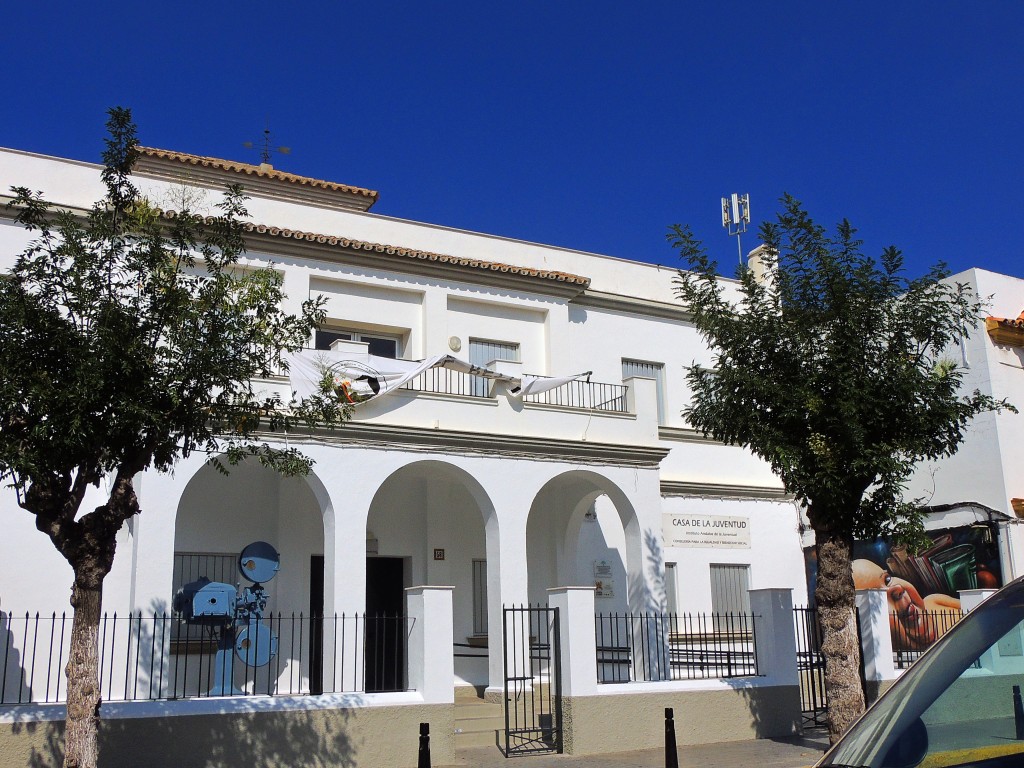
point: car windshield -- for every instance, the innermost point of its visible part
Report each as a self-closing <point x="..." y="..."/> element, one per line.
<point x="956" y="705"/>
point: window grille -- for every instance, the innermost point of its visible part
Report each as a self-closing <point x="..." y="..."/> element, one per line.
<point x="730" y="586"/>
<point x="671" y="598"/>
<point x="481" y="352"/>
<point x="648" y="370"/>
<point x="191" y="566"/>
<point x="479" y="597"/>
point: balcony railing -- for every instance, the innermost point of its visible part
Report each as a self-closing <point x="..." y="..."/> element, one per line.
<point x="447" y="382"/>
<point x="582" y="395"/>
<point x="585" y="395"/>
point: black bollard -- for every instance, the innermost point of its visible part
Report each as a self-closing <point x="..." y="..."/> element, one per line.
<point x="424" y="758"/>
<point x="1018" y="713"/>
<point x="671" y="756"/>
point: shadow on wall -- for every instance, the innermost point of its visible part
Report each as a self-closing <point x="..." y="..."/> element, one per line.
<point x="263" y="733"/>
<point x="774" y="710"/>
<point x="313" y="739"/>
<point x="12" y="675"/>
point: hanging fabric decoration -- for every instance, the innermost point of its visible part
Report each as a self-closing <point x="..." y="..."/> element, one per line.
<point x="356" y="378"/>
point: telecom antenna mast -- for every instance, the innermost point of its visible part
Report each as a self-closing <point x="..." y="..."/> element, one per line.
<point x="736" y="217"/>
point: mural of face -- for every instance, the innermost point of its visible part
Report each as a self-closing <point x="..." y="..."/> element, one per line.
<point x="908" y="614"/>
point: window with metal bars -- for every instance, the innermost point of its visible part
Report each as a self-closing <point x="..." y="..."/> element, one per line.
<point x="191" y="566"/>
<point x="482" y="351"/>
<point x="648" y="370"/>
<point x="671" y="597"/>
<point x="730" y="594"/>
<point x="479" y="597"/>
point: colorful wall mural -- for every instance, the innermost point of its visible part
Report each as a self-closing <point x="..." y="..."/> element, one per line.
<point x="923" y="588"/>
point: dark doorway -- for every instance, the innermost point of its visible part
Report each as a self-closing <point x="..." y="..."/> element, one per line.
<point x="385" y="624"/>
<point x="316" y="624"/>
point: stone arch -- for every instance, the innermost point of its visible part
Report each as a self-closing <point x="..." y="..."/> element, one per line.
<point x="220" y="514"/>
<point x="432" y="509"/>
<point x="557" y="516"/>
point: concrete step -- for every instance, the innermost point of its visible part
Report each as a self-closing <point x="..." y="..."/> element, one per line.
<point x="478" y="723"/>
<point x="478" y="709"/>
<point x="481" y="738"/>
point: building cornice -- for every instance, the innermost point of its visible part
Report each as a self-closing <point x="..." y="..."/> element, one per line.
<point x="285" y="242"/>
<point x="686" y="435"/>
<point x="506" y="446"/>
<point x="281" y="241"/>
<point x="632" y="305"/>
<point x="259" y="180"/>
<point x="724" y="490"/>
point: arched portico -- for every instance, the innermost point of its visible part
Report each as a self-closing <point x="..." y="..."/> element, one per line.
<point x="219" y="514"/>
<point x="583" y="529"/>
<point x="431" y="523"/>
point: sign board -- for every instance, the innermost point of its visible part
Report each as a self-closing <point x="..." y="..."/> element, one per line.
<point x="716" y="531"/>
<point x="604" y="585"/>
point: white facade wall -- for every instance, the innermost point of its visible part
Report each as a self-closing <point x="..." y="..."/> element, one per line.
<point x="479" y="478"/>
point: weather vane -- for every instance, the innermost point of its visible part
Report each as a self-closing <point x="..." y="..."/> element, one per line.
<point x="266" y="149"/>
<point x="736" y="217"/>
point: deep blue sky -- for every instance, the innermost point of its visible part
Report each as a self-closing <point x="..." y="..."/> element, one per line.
<point x="592" y="125"/>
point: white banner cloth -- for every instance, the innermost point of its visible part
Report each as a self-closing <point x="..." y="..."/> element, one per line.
<point x="366" y="376"/>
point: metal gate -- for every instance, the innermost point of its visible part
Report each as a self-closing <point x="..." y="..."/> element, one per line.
<point x="810" y="664"/>
<point x="533" y="685"/>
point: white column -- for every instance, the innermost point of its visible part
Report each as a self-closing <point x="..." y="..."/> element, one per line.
<point x="775" y="634"/>
<point x="159" y="497"/>
<point x="875" y="635"/>
<point x="431" y="664"/>
<point x="506" y="586"/>
<point x="972" y="598"/>
<point x="642" y="400"/>
<point x="578" y="656"/>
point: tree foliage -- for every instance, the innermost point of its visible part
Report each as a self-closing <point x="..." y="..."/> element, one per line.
<point x="830" y="365"/>
<point x="132" y="337"/>
<point x="834" y="368"/>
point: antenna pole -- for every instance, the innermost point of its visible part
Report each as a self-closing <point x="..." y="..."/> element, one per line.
<point x="736" y="217"/>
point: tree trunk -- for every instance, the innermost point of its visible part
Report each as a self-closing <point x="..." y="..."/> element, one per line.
<point x="840" y="645"/>
<point x="80" y="743"/>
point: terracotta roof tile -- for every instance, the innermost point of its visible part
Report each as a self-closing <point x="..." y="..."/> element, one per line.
<point x="255" y="170"/>
<point x="1005" y="330"/>
<point x="411" y="253"/>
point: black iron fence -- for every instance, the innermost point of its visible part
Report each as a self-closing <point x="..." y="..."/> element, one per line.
<point x="533" y="698"/>
<point x="914" y="631"/>
<point x="585" y="395"/>
<point x="147" y="657"/>
<point x="810" y="665"/>
<point x="633" y="647"/>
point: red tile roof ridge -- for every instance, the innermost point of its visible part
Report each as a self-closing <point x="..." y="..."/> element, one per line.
<point x="394" y="250"/>
<point x="254" y="170"/>
<point x="1016" y="323"/>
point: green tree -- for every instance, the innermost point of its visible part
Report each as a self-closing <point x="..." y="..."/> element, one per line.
<point x="828" y="364"/>
<point x="129" y="338"/>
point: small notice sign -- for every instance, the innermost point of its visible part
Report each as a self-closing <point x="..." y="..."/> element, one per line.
<point x="604" y="585"/>
<point x="706" y="531"/>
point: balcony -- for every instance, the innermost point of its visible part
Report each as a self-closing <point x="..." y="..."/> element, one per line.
<point x="576" y="395"/>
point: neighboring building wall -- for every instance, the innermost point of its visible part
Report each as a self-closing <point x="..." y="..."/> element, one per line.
<point x="987" y="466"/>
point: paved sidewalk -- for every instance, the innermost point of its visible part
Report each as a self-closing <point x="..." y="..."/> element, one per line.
<point x="794" y="752"/>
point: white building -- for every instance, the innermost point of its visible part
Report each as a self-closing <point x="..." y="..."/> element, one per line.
<point x="986" y="472"/>
<point x="450" y="482"/>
